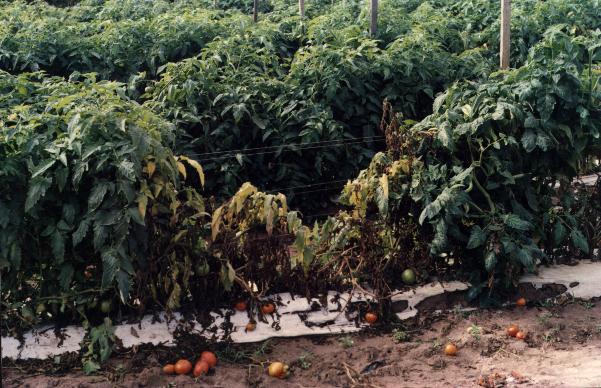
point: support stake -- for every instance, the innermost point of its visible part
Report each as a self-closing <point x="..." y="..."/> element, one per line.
<point x="373" y="27"/>
<point x="505" y="33"/>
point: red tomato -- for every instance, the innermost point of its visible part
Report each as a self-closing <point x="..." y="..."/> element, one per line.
<point x="371" y="317"/>
<point x="201" y="368"/>
<point x="450" y="349"/>
<point x="512" y="330"/>
<point x="210" y="358"/>
<point x="183" y="367"/>
<point x="268" y="308"/>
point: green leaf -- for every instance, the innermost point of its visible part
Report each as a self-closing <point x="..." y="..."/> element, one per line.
<point x="173" y="302"/>
<point x="525" y="258"/>
<point x="579" y="240"/>
<point x="81" y="231"/>
<point x="126" y="169"/>
<point x="477" y="238"/>
<point x="515" y="222"/>
<point x="445" y="136"/>
<point x="123" y="285"/>
<point x="259" y="122"/>
<point x="97" y="195"/>
<point x="529" y="140"/>
<point x="110" y="266"/>
<point x="440" y="241"/>
<point x="37" y="189"/>
<point x="90" y="366"/>
<point x="42" y="167"/>
<point x="490" y="261"/>
<point x="559" y="232"/>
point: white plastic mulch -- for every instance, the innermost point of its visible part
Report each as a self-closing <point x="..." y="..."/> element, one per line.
<point x="43" y="342"/>
<point x="296" y="316"/>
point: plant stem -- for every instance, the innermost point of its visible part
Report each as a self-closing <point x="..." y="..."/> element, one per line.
<point x="484" y="192"/>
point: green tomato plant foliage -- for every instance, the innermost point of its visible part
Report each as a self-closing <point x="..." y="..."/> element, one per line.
<point x="161" y="154"/>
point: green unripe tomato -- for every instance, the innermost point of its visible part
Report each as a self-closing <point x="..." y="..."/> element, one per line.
<point x="408" y="276"/>
<point x="105" y="306"/>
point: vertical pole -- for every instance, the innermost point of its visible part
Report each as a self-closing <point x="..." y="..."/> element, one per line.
<point x="255" y="10"/>
<point x="373" y="27"/>
<point x="505" y="33"/>
<point x="215" y="4"/>
<point x="301" y="8"/>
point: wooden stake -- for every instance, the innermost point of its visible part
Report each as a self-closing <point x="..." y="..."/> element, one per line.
<point x="301" y="8"/>
<point x="255" y="10"/>
<point x="505" y="33"/>
<point x="373" y="27"/>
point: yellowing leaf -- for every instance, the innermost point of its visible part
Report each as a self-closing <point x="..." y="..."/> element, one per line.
<point x="197" y="167"/>
<point x="245" y="191"/>
<point x="216" y="223"/>
<point x="467" y="110"/>
<point x="157" y="190"/>
<point x="142" y="204"/>
<point x="150" y="168"/>
<point x="384" y="185"/>
<point x="268" y="213"/>
<point x="182" y="169"/>
<point x="284" y="209"/>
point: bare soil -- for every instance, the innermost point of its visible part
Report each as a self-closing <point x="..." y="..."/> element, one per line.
<point x="562" y="349"/>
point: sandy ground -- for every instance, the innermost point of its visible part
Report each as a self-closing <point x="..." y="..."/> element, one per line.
<point x="562" y="349"/>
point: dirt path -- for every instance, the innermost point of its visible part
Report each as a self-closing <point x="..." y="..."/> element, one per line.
<point x="562" y="349"/>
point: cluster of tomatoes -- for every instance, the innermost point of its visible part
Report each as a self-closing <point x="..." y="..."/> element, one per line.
<point x="266" y="308"/>
<point x="206" y="361"/>
<point x="514" y="331"/>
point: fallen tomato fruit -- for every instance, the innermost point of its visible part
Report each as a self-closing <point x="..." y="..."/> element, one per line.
<point x="183" y="367"/>
<point x="240" y="306"/>
<point x="450" y="349"/>
<point x="520" y="335"/>
<point x="278" y="370"/>
<point x="521" y="302"/>
<point x="512" y="330"/>
<point x="210" y="358"/>
<point x="169" y="369"/>
<point x="251" y="326"/>
<point x="201" y="368"/>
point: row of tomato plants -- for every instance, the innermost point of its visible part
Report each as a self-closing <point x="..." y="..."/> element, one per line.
<point x="96" y="205"/>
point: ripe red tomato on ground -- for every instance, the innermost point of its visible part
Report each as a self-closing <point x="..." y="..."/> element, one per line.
<point x="183" y="367"/>
<point x="209" y="357"/>
<point x="450" y="349"/>
<point x="201" y="368"/>
<point x="169" y="369"/>
<point x="512" y="330"/>
<point x="371" y="317"/>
